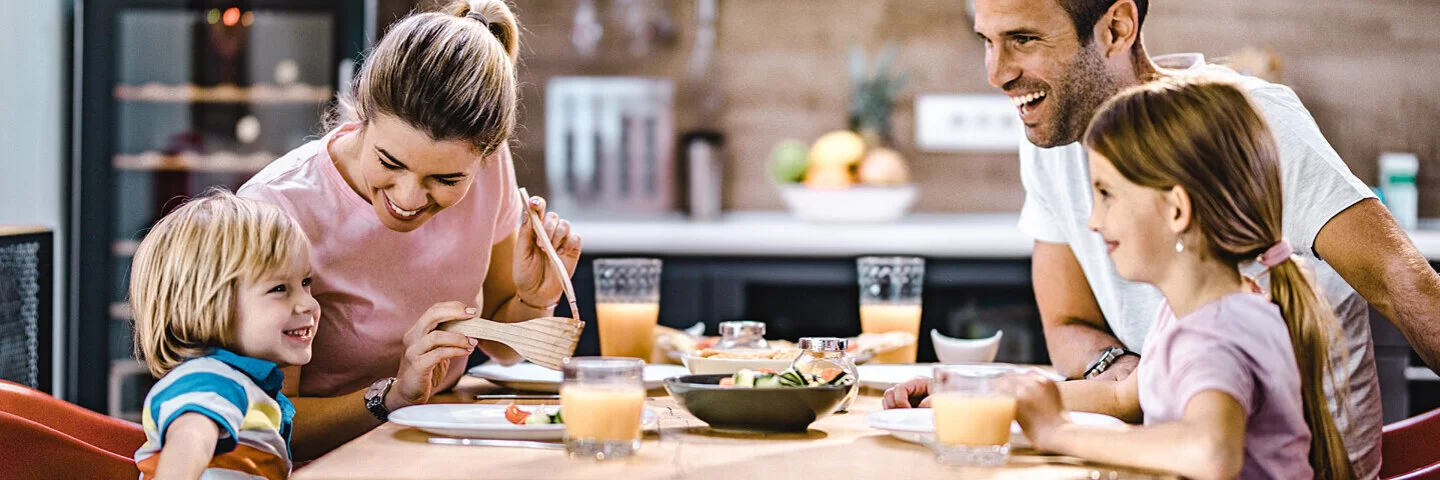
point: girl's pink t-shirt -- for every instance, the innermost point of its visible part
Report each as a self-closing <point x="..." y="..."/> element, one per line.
<point x="1237" y="345"/>
<point x="373" y="283"/>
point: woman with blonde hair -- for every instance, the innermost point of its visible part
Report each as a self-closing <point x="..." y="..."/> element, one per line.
<point x="410" y="199"/>
<point x="1187" y="194"/>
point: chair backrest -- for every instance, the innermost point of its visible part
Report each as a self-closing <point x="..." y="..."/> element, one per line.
<point x="106" y="433"/>
<point x="1430" y="472"/>
<point x="1411" y="444"/>
<point x="31" y="450"/>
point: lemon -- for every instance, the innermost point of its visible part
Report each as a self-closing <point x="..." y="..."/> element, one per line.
<point x="840" y="148"/>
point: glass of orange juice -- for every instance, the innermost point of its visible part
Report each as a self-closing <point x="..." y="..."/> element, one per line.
<point x="890" y="301"/>
<point x="601" y="400"/>
<point x="627" y="293"/>
<point x="972" y="417"/>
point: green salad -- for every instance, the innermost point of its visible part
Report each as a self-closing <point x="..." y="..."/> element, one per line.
<point x="767" y="378"/>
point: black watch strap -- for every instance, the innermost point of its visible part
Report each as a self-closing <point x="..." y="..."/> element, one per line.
<point x="375" y="399"/>
<point x="1107" y="358"/>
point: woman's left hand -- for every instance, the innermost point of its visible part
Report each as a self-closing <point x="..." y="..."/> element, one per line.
<point x="536" y="282"/>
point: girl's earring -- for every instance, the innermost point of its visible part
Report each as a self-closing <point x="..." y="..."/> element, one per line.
<point x="1179" y="245"/>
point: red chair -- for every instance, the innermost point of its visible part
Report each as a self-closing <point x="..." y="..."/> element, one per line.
<point x="1410" y="448"/>
<point x="1430" y="472"/>
<point x="45" y="437"/>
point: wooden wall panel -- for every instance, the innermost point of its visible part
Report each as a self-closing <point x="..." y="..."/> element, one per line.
<point x="1367" y="71"/>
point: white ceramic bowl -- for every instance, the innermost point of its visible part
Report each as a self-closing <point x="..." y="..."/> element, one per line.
<point x="856" y="204"/>
<point x="706" y="366"/>
<point x="959" y="350"/>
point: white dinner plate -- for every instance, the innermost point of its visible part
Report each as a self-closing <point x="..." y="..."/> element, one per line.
<point x="917" y="425"/>
<point x="475" y="420"/>
<point x="883" y="376"/>
<point x="530" y="377"/>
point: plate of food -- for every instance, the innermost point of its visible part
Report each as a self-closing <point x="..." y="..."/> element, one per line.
<point x="503" y="422"/>
<point x="673" y="345"/>
<point x="881" y="377"/>
<point x="529" y="377"/>
<point x="917" y="425"/>
<point x="711" y="361"/>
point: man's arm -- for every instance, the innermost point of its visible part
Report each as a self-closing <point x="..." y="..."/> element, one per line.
<point x="1075" y="329"/>
<point x="1370" y="251"/>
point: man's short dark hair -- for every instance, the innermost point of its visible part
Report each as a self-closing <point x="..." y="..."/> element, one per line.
<point x="1085" y="13"/>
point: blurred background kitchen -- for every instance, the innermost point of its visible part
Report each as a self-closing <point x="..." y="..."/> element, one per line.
<point x="757" y="146"/>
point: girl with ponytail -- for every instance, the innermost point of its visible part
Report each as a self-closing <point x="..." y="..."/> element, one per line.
<point x="1231" y="382"/>
<point x="410" y="200"/>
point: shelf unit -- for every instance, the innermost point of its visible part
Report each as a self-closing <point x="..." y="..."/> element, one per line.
<point x="175" y="97"/>
<point x="227" y="162"/>
<point x="225" y="93"/>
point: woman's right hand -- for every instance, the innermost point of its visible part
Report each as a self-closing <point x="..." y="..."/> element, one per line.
<point x="428" y="354"/>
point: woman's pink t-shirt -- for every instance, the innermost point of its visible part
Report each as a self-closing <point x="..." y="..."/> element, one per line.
<point x="373" y="283"/>
<point x="1237" y="345"/>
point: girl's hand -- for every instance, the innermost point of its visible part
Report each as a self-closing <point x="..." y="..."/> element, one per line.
<point x="911" y="393"/>
<point x="536" y="282"/>
<point x="428" y="354"/>
<point x="1038" y="406"/>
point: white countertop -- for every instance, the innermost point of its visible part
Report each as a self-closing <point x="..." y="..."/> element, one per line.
<point x="776" y="233"/>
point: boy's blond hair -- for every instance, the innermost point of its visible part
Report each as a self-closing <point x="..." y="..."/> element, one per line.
<point x="186" y="273"/>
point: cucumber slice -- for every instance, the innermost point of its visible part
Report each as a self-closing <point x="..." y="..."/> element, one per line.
<point x="767" y="381"/>
<point x="792" y="378"/>
<point x="745" y="378"/>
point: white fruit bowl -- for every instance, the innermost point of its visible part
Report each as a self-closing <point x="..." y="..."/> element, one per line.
<point x="857" y="204"/>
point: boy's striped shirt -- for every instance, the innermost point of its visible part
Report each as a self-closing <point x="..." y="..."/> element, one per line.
<point x="242" y="395"/>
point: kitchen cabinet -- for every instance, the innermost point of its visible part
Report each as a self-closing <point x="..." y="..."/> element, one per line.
<point x="798" y="296"/>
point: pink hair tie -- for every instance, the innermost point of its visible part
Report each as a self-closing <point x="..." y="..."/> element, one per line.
<point x="1277" y="254"/>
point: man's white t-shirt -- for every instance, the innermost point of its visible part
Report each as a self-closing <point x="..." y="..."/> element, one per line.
<point x="1317" y="186"/>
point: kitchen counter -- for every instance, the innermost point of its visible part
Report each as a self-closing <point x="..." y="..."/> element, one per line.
<point x="776" y="233"/>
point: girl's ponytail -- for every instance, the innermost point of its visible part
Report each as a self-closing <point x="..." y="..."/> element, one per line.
<point x="1311" y="323"/>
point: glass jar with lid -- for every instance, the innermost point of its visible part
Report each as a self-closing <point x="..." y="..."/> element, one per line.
<point x="818" y="354"/>
<point x="742" y="335"/>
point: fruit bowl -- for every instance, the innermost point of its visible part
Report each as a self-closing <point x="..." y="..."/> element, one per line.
<point x="856" y="204"/>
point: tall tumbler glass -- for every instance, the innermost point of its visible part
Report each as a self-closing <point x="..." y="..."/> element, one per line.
<point x="890" y="301"/>
<point x="627" y="292"/>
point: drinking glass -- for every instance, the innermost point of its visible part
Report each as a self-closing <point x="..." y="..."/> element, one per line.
<point x="627" y="293"/>
<point x="972" y="418"/>
<point x="601" y="401"/>
<point x="890" y="301"/>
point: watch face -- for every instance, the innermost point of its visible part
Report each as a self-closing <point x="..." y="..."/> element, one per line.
<point x="376" y="388"/>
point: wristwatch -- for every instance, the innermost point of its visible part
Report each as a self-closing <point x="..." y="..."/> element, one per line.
<point x="375" y="398"/>
<point x="1105" y="360"/>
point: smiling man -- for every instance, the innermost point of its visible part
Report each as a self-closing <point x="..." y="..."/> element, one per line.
<point x="1058" y="61"/>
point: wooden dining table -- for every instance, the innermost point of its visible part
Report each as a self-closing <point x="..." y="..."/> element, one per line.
<point x="683" y="447"/>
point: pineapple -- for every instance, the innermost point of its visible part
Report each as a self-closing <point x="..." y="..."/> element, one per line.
<point x="872" y="96"/>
